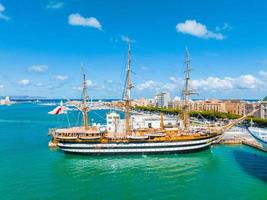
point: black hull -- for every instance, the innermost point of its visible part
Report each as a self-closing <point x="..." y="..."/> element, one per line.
<point x="140" y="153"/>
<point x="138" y="148"/>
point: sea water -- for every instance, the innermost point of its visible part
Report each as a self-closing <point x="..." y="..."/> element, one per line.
<point x="30" y="170"/>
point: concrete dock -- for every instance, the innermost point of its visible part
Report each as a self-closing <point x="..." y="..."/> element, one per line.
<point x="237" y="136"/>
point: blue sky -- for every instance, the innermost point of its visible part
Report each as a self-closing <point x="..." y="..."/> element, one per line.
<point x="44" y="43"/>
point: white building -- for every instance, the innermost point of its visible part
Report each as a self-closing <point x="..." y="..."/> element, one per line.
<point x="162" y="99"/>
<point x="116" y="126"/>
<point x="176" y="98"/>
<point x="151" y="121"/>
<point x="114" y="123"/>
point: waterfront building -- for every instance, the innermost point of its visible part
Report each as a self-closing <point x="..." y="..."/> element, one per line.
<point x="231" y="106"/>
<point x="209" y="105"/>
<point x="176" y="102"/>
<point x="250" y="106"/>
<point x="162" y="99"/>
<point x="263" y="109"/>
<point x="118" y="104"/>
<point x="241" y="108"/>
<point x="142" y="102"/>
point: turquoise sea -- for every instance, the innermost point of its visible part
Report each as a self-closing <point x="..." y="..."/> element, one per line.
<point x="29" y="170"/>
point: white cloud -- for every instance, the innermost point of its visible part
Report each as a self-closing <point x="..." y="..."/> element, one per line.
<point x="174" y="84"/>
<point x="247" y="82"/>
<point x="38" y="68"/>
<point x="172" y="78"/>
<point x="94" y="86"/>
<point x="2" y="8"/>
<point x="227" y="83"/>
<point x="192" y="27"/>
<point x="2" y="86"/>
<point x="24" y="82"/>
<point x="2" y="16"/>
<point x="170" y="87"/>
<point x="147" y="85"/>
<point x="61" y="77"/>
<point x="126" y="39"/>
<point x="90" y="83"/>
<point x="55" y="5"/>
<point x="214" y="84"/>
<point x="78" y="20"/>
<point x="222" y="28"/>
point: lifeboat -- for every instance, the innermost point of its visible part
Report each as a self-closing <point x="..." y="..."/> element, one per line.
<point x="89" y="137"/>
<point x="67" y="137"/>
<point x="155" y="134"/>
<point x="135" y="137"/>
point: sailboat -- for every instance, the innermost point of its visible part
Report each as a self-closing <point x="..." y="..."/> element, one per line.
<point x="121" y="138"/>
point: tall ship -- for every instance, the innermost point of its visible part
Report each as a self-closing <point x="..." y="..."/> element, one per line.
<point x="120" y="136"/>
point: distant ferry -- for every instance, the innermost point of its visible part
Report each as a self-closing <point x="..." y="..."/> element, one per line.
<point x="260" y="135"/>
<point x="122" y="137"/>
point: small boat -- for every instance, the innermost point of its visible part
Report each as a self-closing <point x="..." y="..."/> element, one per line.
<point x="137" y="137"/>
<point x="260" y="134"/>
<point x="89" y="137"/>
<point x="67" y="137"/>
<point x="155" y="134"/>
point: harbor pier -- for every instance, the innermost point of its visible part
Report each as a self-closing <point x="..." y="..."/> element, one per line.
<point x="239" y="136"/>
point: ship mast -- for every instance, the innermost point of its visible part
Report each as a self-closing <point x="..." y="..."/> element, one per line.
<point x="127" y="92"/>
<point x="187" y="92"/>
<point x="84" y="106"/>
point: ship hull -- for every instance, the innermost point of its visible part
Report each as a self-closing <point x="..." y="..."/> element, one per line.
<point x="137" y="147"/>
<point x="256" y="134"/>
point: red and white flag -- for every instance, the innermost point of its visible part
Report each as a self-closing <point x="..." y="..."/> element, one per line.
<point x="58" y="110"/>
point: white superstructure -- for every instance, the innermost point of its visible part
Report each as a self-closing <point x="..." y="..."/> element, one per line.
<point x="115" y="126"/>
<point x="142" y="121"/>
<point x="151" y="121"/>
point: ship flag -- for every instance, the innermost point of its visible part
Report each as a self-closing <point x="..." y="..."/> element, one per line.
<point x="58" y="110"/>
